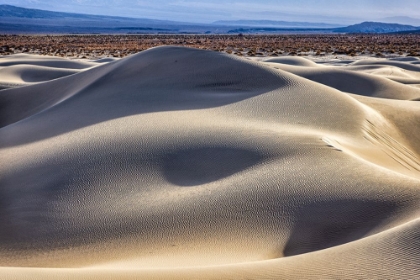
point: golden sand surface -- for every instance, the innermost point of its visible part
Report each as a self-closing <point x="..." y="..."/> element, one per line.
<point x="181" y="163"/>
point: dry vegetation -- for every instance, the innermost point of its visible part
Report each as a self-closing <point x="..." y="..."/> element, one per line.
<point x="90" y="46"/>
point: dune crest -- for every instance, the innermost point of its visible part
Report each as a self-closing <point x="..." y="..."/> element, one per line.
<point x="182" y="163"/>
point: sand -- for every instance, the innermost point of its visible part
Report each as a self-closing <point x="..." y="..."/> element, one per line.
<point x="179" y="163"/>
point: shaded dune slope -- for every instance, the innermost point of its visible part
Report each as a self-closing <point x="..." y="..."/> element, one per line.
<point x="182" y="163"/>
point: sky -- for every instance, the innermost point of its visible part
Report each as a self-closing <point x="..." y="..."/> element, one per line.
<point x="327" y="11"/>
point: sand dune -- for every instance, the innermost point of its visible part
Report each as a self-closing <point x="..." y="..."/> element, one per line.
<point x="292" y="60"/>
<point x="177" y="163"/>
<point x="406" y="65"/>
<point x="386" y="82"/>
<point x="48" y="61"/>
<point x="22" y="74"/>
<point x="23" y="69"/>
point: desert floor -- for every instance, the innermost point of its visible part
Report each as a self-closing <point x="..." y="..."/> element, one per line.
<point x="318" y="45"/>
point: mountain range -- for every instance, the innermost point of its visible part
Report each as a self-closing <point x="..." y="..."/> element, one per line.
<point x="272" y="23"/>
<point x="18" y="20"/>
<point x="376" y="27"/>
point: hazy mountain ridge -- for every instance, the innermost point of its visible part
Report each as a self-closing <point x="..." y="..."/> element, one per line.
<point x="17" y="20"/>
<point x="19" y="12"/>
<point x="273" y="23"/>
<point x="21" y="20"/>
<point x="376" y="27"/>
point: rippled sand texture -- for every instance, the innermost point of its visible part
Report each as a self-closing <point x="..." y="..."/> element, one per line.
<point x="179" y="163"/>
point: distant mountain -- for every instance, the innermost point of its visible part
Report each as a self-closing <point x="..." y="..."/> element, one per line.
<point x="17" y="20"/>
<point x="274" y="30"/>
<point x="272" y="23"/>
<point x="402" y="20"/>
<point x="376" y="27"/>
<point x="8" y="11"/>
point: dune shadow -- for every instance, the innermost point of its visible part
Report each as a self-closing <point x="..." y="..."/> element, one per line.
<point x="191" y="167"/>
<point x="321" y="225"/>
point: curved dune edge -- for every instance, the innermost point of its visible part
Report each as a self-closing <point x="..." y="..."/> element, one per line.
<point x="183" y="163"/>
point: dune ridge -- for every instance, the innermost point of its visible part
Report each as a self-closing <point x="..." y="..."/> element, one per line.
<point x="183" y="163"/>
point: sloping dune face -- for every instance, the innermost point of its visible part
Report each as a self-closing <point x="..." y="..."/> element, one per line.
<point x="179" y="163"/>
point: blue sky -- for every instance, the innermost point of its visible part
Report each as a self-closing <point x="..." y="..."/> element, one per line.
<point x="329" y="11"/>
